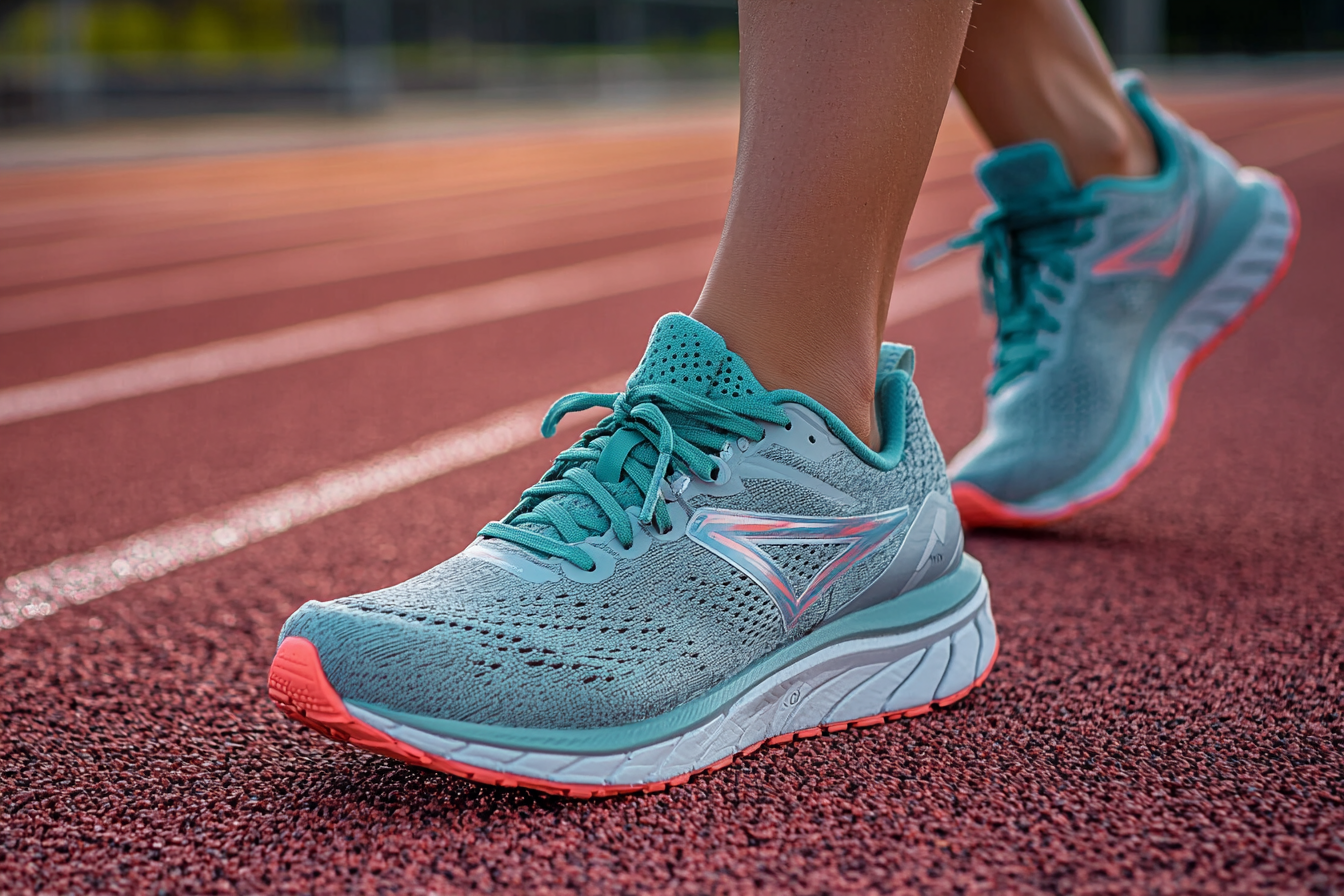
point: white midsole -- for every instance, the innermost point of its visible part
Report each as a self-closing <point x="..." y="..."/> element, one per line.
<point x="1243" y="277"/>
<point x="854" y="679"/>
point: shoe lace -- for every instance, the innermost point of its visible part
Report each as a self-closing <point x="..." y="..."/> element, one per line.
<point x="622" y="462"/>
<point x="1020" y="246"/>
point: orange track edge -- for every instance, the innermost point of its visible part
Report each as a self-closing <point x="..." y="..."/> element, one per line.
<point x="981" y="511"/>
<point x="300" y="688"/>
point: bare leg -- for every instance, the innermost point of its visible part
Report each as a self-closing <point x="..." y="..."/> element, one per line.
<point x="1036" y="70"/>
<point x="841" y="104"/>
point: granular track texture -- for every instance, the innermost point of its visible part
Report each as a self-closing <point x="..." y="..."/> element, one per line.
<point x="1165" y="715"/>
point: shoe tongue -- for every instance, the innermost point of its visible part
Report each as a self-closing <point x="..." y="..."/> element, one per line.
<point x="1025" y="175"/>
<point x="687" y="354"/>
<point x="684" y="353"/>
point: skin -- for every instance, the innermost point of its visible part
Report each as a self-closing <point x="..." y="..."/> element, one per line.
<point x="1036" y="70"/>
<point x="841" y="104"/>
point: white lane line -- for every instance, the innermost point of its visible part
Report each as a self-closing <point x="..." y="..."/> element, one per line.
<point x="913" y="294"/>
<point x="80" y="578"/>
<point x="214" y="280"/>
<point x="123" y="253"/>
<point x="394" y="322"/>
<point x="1282" y="142"/>
<point x="946" y="280"/>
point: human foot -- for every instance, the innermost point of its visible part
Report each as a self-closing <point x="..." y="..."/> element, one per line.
<point x="713" y="567"/>
<point x="1106" y="297"/>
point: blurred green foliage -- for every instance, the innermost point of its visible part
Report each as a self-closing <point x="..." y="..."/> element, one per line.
<point x="142" y="30"/>
<point x="718" y="40"/>
<point x="216" y="32"/>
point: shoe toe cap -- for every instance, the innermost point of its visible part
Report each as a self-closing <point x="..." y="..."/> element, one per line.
<point x="380" y="658"/>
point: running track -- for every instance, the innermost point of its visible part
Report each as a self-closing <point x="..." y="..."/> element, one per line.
<point x="234" y="384"/>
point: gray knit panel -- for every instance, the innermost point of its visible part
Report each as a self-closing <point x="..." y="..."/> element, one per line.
<point x="494" y="649"/>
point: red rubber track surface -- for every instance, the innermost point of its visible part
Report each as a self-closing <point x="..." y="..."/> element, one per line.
<point x="1165" y="714"/>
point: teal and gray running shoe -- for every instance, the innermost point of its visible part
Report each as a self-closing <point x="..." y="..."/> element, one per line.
<point x="712" y="568"/>
<point x="1106" y="297"/>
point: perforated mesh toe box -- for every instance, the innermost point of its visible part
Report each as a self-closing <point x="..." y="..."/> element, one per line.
<point x="464" y="641"/>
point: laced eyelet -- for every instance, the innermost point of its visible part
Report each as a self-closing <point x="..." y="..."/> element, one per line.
<point x="603" y="564"/>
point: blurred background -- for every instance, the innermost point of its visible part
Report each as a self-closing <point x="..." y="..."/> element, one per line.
<point x="77" y="60"/>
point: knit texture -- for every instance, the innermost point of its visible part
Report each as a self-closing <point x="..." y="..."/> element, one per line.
<point x="1049" y="425"/>
<point x="471" y="641"/>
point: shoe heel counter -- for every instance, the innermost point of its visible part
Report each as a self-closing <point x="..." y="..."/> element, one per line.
<point x="1211" y="172"/>
<point x="921" y="446"/>
<point x="933" y="544"/>
<point x="921" y="455"/>
<point x="1212" y="169"/>
<point x="938" y="518"/>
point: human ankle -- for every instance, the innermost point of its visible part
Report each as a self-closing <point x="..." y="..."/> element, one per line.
<point x="1112" y="142"/>
<point x="839" y="374"/>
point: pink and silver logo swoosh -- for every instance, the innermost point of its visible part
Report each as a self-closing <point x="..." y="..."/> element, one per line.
<point x="1125" y="260"/>
<point x="737" y="536"/>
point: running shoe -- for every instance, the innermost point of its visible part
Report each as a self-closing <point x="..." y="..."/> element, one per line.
<point x="711" y="568"/>
<point x="1106" y="297"/>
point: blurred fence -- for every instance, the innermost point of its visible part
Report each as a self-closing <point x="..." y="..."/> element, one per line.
<point x="72" y="59"/>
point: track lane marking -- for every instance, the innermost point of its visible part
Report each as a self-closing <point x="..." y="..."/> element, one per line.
<point x="1288" y="140"/>
<point x="148" y="555"/>
<point x="953" y="277"/>
<point x="322" y="264"/>
<point x="394" y="322"/>
<point x="41" y="265"/>
<point x="236" y="188"/>
<point x="80" y="578"/>
<point x="696" y="202"/>
<point x="428" y="315"/>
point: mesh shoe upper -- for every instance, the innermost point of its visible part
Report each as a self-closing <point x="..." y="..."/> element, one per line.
<point x="504" y="635"/>
<point x="1064" y="364"/>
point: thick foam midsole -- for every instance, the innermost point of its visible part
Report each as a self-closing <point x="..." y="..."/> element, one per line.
<point x="1208" y="310"/>
<point x="856" y="673"/>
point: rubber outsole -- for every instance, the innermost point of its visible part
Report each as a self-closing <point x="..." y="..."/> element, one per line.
<point x="979" y="510"/>
<point x="299" y="686"/>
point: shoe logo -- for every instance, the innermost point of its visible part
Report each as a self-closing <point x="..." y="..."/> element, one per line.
<point x="1124" y="260"/>
<point x="737" y="536"/>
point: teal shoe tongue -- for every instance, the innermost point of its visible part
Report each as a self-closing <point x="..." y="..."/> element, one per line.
<point x="683" y="353"/>
<point x="687" y="354"/>
<point x="1025" y="174"/>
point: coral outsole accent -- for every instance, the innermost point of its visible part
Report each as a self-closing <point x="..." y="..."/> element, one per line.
<point x="980" y="511"/>
<point x="299" y="686"/>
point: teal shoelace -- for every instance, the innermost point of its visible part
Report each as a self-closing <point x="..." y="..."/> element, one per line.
<point x="622" y="462"/>
<point x="1020" y="246"/>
